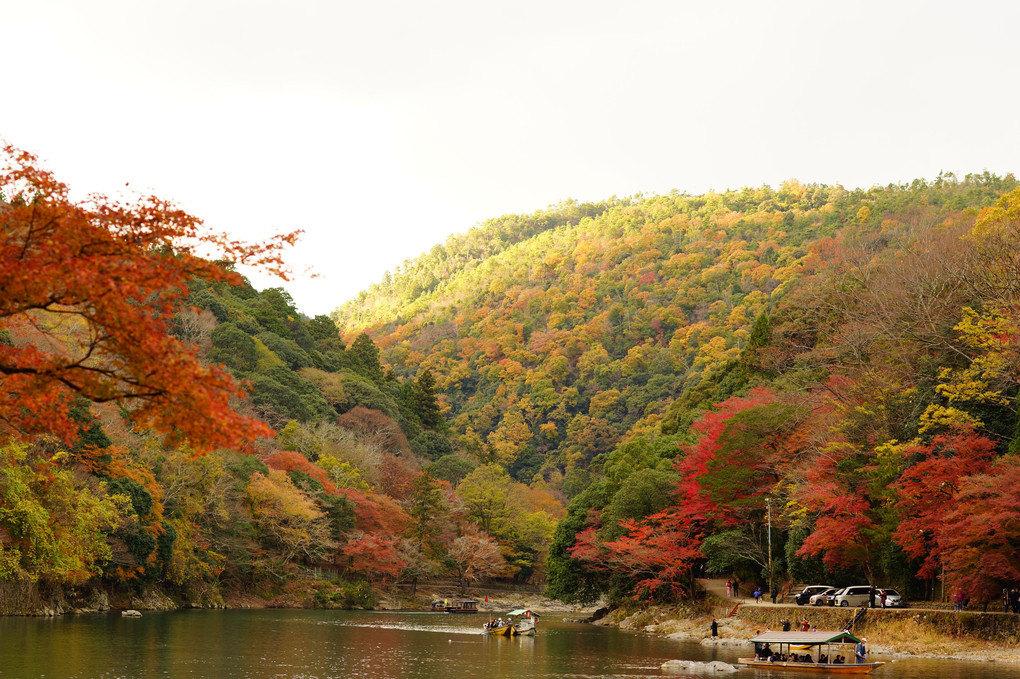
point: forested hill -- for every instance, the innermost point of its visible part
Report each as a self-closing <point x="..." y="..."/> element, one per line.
<point x="462" y="253"/>
<point x="556" y="336"/>
<point x="676" y="368"/>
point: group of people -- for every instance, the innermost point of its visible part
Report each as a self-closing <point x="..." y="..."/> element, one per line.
<point x="765" y="653"/>
<point x="1010" y="600"/>
<point x="733" y="590"/>
<point x="496" y="623"/>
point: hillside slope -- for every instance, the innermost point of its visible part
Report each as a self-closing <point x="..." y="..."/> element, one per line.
<point x="587" y="332"/>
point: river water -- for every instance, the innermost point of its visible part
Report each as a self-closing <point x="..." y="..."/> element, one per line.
<point x="265" y="644"/>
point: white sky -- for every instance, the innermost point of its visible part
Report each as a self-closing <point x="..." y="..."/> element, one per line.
<point x="383" y="127"/>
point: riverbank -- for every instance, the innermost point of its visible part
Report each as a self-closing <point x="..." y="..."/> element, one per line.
<point x="980" y="637"/>
<point x="31" y="599"/>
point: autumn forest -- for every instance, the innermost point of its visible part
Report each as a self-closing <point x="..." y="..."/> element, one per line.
<point x="601" y="400"/>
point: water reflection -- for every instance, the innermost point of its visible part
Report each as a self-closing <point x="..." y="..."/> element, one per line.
<point x="321" y="644"/>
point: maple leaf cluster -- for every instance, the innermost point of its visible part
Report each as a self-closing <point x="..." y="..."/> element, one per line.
<point x="87" y="289"/>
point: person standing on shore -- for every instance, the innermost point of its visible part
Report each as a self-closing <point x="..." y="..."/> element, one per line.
<point x="729" y="588"/>
<point x="715" y="627"/>
<point x="775" y="593"/>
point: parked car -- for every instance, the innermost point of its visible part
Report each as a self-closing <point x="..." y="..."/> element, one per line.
<point x="830" y="598"/>
<point x="822" y="598"/>
<point x="858" y="595"/>
<point x="893" y="599"/>
<point x="809" y="591"/>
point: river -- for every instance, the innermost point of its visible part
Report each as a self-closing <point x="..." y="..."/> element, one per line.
<point x="261" y="644"/>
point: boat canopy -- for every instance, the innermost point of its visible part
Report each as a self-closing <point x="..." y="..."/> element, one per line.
<point x="523" y="611"/>
<point x="805" y="638"/>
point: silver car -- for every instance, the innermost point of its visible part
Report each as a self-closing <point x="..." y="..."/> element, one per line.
<point x="822" y="597"/>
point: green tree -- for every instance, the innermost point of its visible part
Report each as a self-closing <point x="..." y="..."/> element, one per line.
<point x="570" y="580"/>
<point x="426" y="407"/>
<point x="427" y="508"/>
<point x="363" y="358"/>
<point x="234" y="348"/>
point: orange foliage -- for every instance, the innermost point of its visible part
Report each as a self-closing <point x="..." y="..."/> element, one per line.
<point x="92" y="285"/>
<point x="374" y="513"/>
<point x="290" y="461"/>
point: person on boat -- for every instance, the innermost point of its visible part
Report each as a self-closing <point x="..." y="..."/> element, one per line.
<point x="823" y="659"/>
<point x="838" y="660"/>
<point x="861" y="652"/>
<point x="766" y="652"/>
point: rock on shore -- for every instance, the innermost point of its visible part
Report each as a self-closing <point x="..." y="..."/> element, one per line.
<point x="693" y="666"/>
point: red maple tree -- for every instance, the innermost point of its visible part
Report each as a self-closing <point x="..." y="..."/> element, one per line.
<point x="980" y="536"/>
<point x="87" y="289"/>
<point x="928" y="493"/>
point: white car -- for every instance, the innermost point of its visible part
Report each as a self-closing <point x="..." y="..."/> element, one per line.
<point x="893" y="599"/>
<point x="859" y="595"/>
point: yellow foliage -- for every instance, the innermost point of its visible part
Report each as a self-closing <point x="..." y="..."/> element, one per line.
<point x="937" y="417"/>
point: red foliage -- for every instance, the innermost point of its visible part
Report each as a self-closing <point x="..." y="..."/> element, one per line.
<point x="701" y="460"/>
<point x="980" y="537"/>
<point x="928" y="490"/>
<point x="290" y="461"/>
<point x="397" y="475"/>
<point x="376" y="513"/>
<point x="373" y="555"/>
<point x="844" y="532"/>
<point x="657" y="553"/>
<point x="377" y="427"/>
<point x="87" y="290"/>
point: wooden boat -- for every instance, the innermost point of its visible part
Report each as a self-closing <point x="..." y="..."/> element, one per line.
<point x="460" y="606"/>
<point x="519" y="622"/>
<point x="524" y="621"/>
<point x="812" y="645"/>
<point x="506" y="630"/>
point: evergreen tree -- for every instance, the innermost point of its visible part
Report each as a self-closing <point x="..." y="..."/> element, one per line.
<point x="363" y="358"/>
<point x="426" y="407"/>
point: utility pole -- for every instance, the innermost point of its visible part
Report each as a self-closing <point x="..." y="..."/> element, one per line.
<point x="768" y="505"/>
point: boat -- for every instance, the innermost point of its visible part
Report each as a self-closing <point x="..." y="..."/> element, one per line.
<point x="519" y="622"/>
<point x="456" y="605"/>
<point x="813" y="645"/>
<point x="524" y="621"/>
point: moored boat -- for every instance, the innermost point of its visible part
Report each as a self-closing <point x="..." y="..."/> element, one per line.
<point x="807" y="652"/>
<point x="460" y="606"/>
